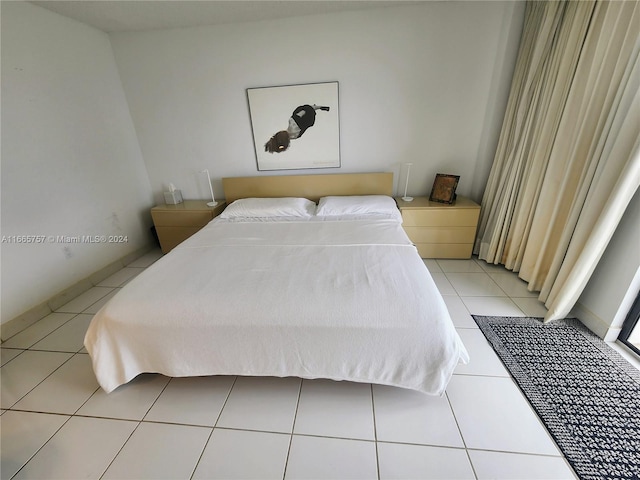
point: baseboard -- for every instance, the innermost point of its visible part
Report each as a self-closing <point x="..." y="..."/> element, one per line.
<point x="28" y="318"/>
<point x="31" y="316"/>
<point x="594" y="323"/>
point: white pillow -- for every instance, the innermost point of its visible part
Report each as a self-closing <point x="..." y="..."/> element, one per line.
<point x="269" y="207"/>
<point x="357" y="205"/>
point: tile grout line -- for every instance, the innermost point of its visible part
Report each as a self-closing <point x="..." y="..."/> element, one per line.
<point x="464" y="442"/>
<point x="375" y="430"/>
<point x="42" y="338"/>
<point x="206" y="444"/>
<point x="204" y="447"/>
<point x="42" y="446"/>
<point x="235" y="429"/>
<point x="120" y="449"/>
<point x="41" y="381"/>
<point x="111" y="289"/>
<point x="530" y="454"/>
<point x="156" y="399"/>
<point x="293" y="426"/>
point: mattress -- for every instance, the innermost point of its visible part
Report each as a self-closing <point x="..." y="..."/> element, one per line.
<point x="342" y="299"/>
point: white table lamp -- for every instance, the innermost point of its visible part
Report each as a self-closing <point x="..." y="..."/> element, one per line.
<point x="406" y="185"/>
<point x="213" y="202"/>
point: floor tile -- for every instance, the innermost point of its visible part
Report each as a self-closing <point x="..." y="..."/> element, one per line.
<point x="25" y="372"/>
<point x="131" y="401"/>
<point x="159" y="451"/>
<point x="432" y="265"/>
<point x="459" y="314"/>
<point x="68" y="338"/>
<point x="459" y="266"/>
<point x="475" y="285"/>
<point x="120" y="277"/>
<point x="93" y="309"/>
<point x="8" y="354"/>
<point x="22" y="435"/>
<point x="512" y="285"/>
<point x="75" y="378"/>
<point x="83" y="448"/>
<point x="513" y="466"/>
<point x="484" y="360"/>
<point x="317" y="458"/>
<point x="192" y="400"/>
<point x="335" y="409"/>
<point x="417" y="462"/>
<point x="407" y="416"/>
<point x="261" y="403"/>
<point x="493" y="415"/>
<point x="494" y="306"/>
<point x="69" y="294"/>
<point x="531" y="307"/>
<point x="226" y="454"/>
<point x="84" y="301"/>
<point x="38" y="330"/>
<point x="443" y="284"/>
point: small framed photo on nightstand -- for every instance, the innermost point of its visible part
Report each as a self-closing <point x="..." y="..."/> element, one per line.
<point x="444" y="188"/>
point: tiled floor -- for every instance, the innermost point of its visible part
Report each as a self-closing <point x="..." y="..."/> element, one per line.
<point x="57" y="423"/>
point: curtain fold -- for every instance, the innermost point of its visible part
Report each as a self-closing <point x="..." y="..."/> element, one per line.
<point x="566" y="164"/>
<point x="615" y="181"/>
<point x="552" y="39"/>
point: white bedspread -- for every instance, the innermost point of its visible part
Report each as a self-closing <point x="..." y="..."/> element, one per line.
<point x="344" y="300"/>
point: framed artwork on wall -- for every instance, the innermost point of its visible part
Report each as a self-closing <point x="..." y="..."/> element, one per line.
<point x="444" y="188"/>
<point x="295" y="126"/>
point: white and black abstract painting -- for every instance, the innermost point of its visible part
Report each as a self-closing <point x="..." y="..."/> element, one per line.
<point x="295" y="126"/>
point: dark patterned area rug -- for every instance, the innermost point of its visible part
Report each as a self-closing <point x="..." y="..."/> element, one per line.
<point x="585" y="393"/>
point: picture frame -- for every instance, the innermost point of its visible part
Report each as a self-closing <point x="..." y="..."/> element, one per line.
<point x="444" y="188"/>
<point x="295" y="126"/>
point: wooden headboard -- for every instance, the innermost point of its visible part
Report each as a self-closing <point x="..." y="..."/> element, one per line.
<point x="308" y="186"/>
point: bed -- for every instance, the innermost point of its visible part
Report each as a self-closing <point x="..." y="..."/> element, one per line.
<point x="280" y="286"/>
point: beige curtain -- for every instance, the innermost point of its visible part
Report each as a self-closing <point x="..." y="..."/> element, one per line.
<point x="567" y="161"/>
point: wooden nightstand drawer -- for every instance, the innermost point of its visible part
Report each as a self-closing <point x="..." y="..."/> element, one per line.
<point x="164" y="218"/>
<point x="441" y="234"/>
<point x="440" y="217"/>
<point x="440" y="250"/>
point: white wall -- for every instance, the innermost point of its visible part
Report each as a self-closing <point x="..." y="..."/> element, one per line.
<point x="426" y="83"/>
<point x="71" y="164"/>
<point x="613" y="287"/>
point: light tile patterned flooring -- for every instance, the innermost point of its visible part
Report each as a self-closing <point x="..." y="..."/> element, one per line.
<point x="57" y="423"/>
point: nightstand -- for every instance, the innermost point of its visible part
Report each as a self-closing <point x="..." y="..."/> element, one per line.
<point x="175" y="223"/>
<point x="440" y="230"/>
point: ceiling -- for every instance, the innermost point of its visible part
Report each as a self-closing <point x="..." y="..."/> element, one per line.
<point x="135" y="15"/>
